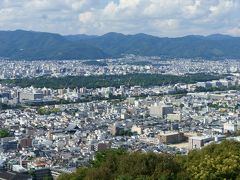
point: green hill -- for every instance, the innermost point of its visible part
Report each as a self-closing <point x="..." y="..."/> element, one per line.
<point x="211" y="47"/>
<point x="37" y="45"/>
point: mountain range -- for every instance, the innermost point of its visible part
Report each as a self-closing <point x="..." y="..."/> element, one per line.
<point x="32" y="45"/>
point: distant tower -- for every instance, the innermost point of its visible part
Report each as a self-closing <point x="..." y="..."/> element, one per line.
<point x="18" y="97"/>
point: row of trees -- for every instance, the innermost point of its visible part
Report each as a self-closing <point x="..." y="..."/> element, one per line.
<point x="144" y="80"/>
<point x="216" y="161"/>
<point x="222" y="88"/>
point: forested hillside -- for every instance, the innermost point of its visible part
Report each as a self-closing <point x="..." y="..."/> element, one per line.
<point x="216" y="161"/>
<point x="37" y="45"/>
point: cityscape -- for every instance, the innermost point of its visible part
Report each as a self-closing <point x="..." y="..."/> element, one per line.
<point x="59" y="130"/>
<point x="119" y="90"/>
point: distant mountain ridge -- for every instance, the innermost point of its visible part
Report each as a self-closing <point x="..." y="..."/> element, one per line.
<point x="32" y="45"/>
<point x="38" y="45"/>
<point x="78" y="37"/>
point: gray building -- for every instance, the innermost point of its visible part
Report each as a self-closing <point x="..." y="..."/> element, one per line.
<point x="161" y="110"/>
<point x="198" y="141"/>
<point x="30" y="96"/>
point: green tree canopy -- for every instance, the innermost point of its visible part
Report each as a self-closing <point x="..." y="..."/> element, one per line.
<point x="4" y="133"/>
<point x="215" y="161"/>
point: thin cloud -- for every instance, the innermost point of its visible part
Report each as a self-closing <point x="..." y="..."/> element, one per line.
<point x="157" y="17"/>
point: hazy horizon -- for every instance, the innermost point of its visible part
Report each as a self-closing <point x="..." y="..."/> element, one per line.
<point x="120" y="33"/>
<point x="175" y="18"/>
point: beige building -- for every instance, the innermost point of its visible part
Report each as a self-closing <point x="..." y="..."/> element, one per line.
<point x="136" y="129"/>
<point x="171" y="137"/>
<point x="174" y="117"/>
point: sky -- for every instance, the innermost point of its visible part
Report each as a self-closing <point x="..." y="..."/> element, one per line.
<point x="163" y="18"/>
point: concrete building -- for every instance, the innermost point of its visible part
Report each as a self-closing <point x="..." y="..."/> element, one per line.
<point x="174" y="117"/>
<point x="25" y="143"/>
<point x="171" y="137"/>
<point x="204" y="84"/>
<point x="229" y="127"/>
<point x="100" y="146"/>
<point x="160" y="110"/>
<point x="30" y="96"/>
<point x="198" y="142"/>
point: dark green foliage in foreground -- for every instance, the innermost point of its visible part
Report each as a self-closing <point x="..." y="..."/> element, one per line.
<point x="216" y="161"/>
<point x="144" y="80"/>
<point x="117" y="164"/>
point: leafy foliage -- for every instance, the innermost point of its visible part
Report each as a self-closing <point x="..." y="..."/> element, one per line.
<point x="216" y="161"/>
<point x="118" y="164"/>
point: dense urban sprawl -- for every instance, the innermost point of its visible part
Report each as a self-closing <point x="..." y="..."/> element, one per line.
<point x="49" y="131"/>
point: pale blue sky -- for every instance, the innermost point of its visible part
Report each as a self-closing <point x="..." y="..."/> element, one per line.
<point x="157" y="17"/>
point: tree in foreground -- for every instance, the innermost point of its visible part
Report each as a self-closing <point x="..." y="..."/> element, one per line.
<point x="215" y="161"/>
